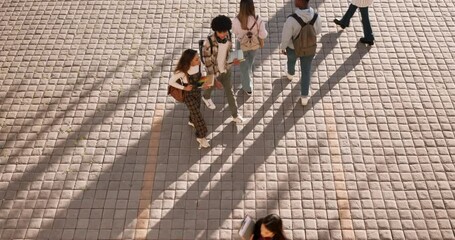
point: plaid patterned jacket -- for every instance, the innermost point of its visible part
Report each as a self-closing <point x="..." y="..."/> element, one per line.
<point x="210" y="56"/>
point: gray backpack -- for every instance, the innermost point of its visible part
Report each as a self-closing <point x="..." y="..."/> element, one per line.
<point x="305" y="42"/>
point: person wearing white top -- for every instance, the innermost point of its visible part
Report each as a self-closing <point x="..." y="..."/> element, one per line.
<point x="187" y="77"/>
<point x="247" y="21"/>
<point x="362" y="5"/>
<point x="215" y="54"/>
<point x="291" y="30"/>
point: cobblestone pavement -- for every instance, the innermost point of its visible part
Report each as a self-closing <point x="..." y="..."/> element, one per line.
<point x="92" y="148"/>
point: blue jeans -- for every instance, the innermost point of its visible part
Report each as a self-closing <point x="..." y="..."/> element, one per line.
<point x="367" y="31"/>
<point x="246" y="68"/>
<point x="305" y="67"/>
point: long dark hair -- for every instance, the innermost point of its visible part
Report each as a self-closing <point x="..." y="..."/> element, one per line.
<point x="184" y="63"/>
<point x="273" y="223"/>
<point x="246" y="10"/>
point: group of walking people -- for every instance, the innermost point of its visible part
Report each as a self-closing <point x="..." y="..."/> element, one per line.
<point x="250" y="31"/>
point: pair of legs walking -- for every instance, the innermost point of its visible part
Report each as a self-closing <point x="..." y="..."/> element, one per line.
<point x="225" y="79"/>
<point x="305" y="67"/>
<point x="192" y="100"/>
<point x="246" y="69"/>
<point x="367" y="31"/>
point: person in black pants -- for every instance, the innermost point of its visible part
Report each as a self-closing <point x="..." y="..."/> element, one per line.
<point x="363" y="7"/>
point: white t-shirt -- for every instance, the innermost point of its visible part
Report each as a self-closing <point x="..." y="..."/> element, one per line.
<point x="193" y="70"/>
<point x="222" y="55"/>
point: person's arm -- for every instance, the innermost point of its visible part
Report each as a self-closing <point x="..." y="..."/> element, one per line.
<point x="286" y="35"/>
<point x="173" y="81"/>
<point x="236" y="27"/>
<point x="318" y="25"/>
<point x="262" y="30"/>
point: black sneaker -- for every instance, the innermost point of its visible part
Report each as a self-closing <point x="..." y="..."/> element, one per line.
<point x="248" y="92"/>
<point x="369" y="42"/>
<point x="338" y="22"/>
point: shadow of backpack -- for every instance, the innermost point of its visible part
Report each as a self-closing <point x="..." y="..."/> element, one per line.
<point x="305" y="42"/>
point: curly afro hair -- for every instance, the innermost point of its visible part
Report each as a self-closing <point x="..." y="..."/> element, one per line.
<point x="221" y="23"/>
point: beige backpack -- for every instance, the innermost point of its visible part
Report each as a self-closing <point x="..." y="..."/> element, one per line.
<point x="251" y="41"/>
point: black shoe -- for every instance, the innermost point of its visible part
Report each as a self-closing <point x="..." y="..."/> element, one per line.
<point x="369" y="42"/>
<point x="338" y="22"/>
<point x="248" y="92"/>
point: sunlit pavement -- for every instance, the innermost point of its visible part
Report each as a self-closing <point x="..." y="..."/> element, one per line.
<point x="91" y="147"/>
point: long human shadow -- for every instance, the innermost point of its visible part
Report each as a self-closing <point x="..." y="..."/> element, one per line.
<point x="35" y="172"/>
<point x="274" y="27"/>
<point x="114" y="195"/>
<point x="264" y="144"/>
<point x="61" y="115"/>
<point x="348" y="65"/>
<point x="76" y="202"/>
<point x="9" y="94"/>
<point x="262" y="140"/>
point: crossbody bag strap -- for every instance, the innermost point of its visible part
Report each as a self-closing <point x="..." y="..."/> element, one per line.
<point x="254" y="24"/>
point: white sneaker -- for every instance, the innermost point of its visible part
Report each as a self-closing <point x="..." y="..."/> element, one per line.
<point x="209" y="103"/>
<point x="304" y="100"/>
<point x="191" y="124"/>
<point x="289" y="76"/>
<point x="203" y="143"/>
<point x="236" y="120"/>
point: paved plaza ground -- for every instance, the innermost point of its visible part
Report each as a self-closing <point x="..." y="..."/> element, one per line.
<point x="91" y="146"/>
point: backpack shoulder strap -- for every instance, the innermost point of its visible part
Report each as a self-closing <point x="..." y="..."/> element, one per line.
<point x="259" y="24"/>
<point x="314" y="19"/>
<point x="254" y="24"/>
<point x="298" y="19"/>
<point x="211" y="44"/>
<point x="201" y="48"/>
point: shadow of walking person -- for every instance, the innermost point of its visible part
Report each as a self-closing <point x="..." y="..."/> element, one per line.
<point x="341" y="72"/>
